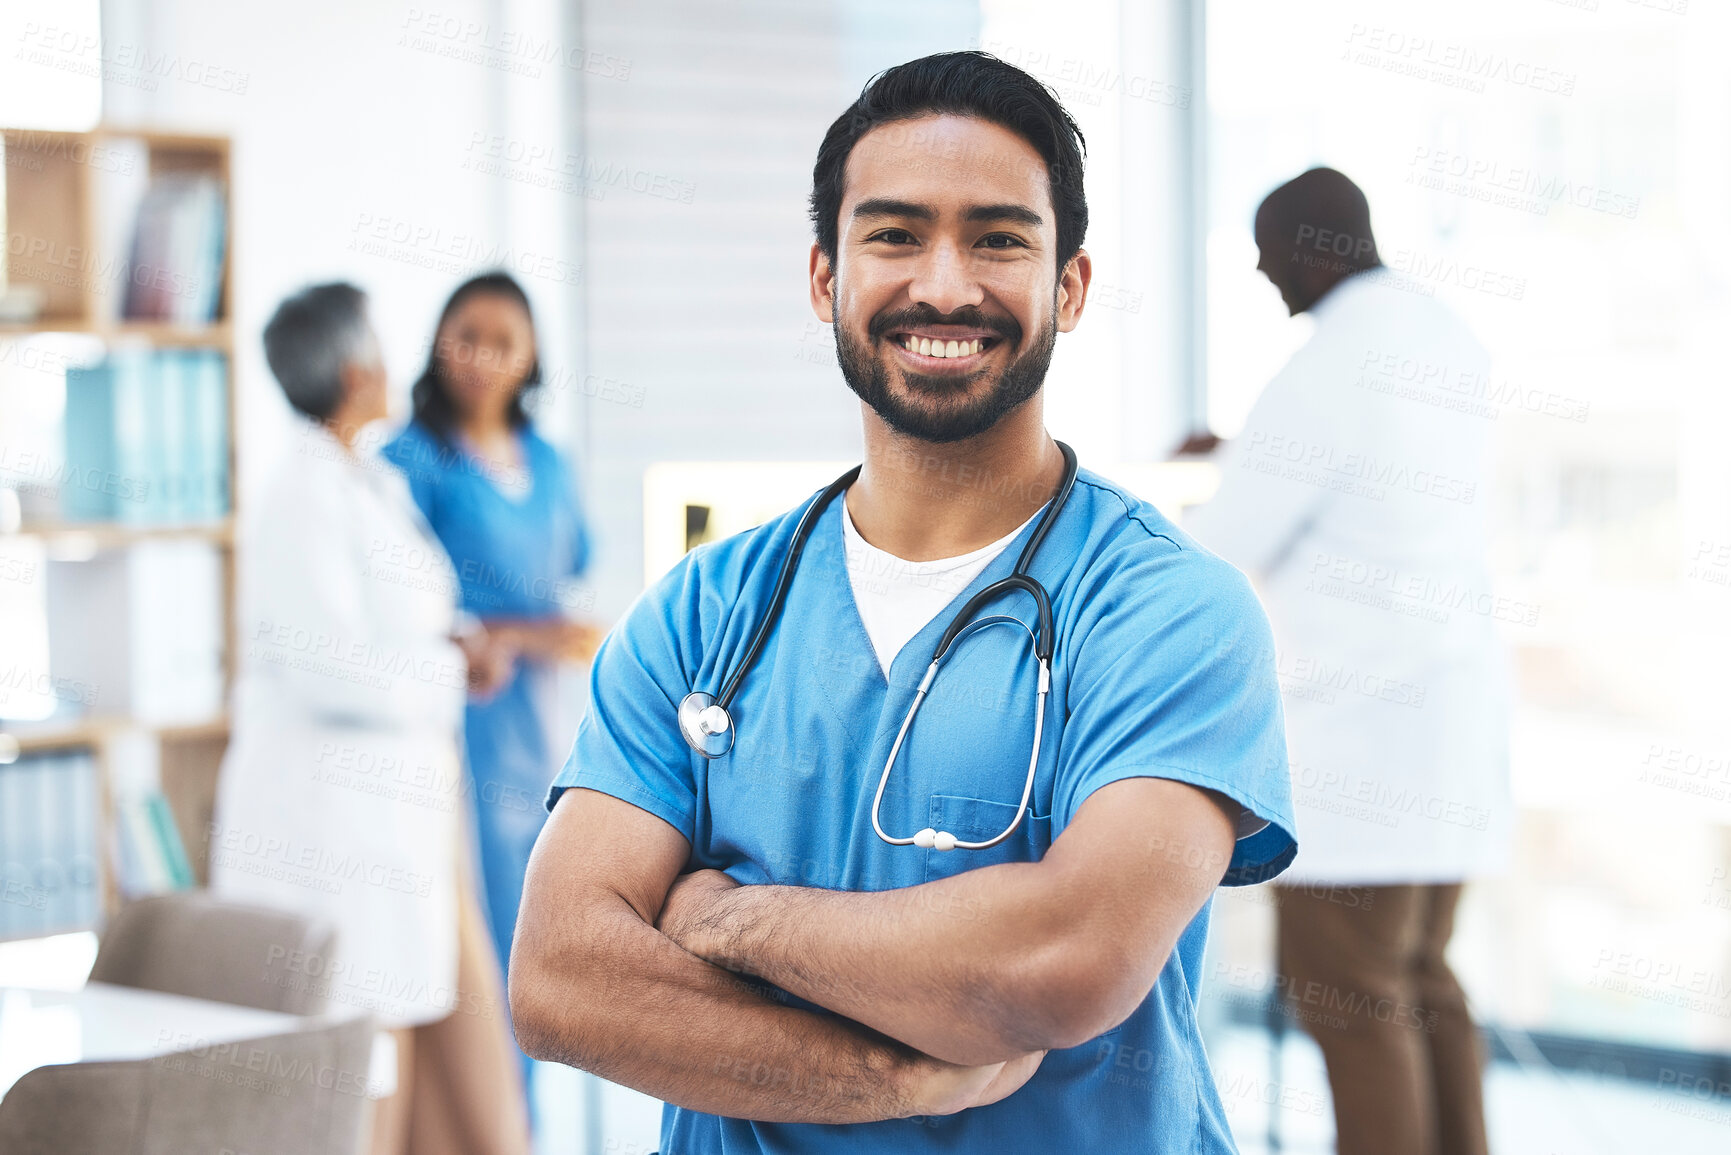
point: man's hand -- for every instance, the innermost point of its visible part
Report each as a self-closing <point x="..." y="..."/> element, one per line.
<point x="1197" y="445"/>
<point x="684" y="914"/>
<point x="934" y="1086"/>
<point x="593" y="984"/>
<point x="941" y="1088"/>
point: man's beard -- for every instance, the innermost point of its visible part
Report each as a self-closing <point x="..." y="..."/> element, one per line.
<point x="867" y="374"/>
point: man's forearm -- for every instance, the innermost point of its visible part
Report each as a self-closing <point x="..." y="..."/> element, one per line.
<point x="635" y="1009"/>
<point x="948" y="967"/>
<point x="995" y="961"/>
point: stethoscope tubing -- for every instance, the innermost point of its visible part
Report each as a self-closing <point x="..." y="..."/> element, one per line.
<point x="807" y="523"/>
<point x="1045" y="685"/>
<point x="696" y="707"/>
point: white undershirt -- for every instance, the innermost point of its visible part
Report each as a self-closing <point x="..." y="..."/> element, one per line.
<point x="896" y="598"/>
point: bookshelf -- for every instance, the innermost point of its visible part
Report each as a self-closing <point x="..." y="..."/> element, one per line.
<point x="103" y="248"/>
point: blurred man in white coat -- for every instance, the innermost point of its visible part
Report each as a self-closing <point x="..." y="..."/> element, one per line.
<point x="1356" y="499"/>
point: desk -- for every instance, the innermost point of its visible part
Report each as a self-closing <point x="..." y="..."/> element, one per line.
<point x="101" y="1022"/>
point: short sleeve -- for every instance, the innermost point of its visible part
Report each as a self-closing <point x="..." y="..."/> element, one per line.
<point x="628" y="744"/>
<point x="416" y="458"/>
<point x="1173" y="676"/>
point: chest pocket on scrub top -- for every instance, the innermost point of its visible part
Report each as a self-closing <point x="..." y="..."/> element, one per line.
<point x="977" y="819"/>
<point x="968" y="752"/>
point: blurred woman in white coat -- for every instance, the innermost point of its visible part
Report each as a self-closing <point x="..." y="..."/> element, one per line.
<point x="1356" y="499"/>
<point x="341" y="791"/>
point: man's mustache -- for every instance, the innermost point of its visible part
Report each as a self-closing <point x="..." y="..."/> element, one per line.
<point x="917" y="315"/>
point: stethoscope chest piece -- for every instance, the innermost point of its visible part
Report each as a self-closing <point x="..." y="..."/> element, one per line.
<point x="708" y="728"/>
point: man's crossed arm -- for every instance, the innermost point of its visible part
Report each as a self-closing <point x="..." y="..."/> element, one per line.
<point x="949" y="993"/>
<point x="993" y="962"/>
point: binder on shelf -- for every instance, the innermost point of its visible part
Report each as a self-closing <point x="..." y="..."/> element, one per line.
<point x="210" y="434"/>
<point x="119" y="189"/>
<point x="168" y="436"/>
<point x="146" y="438"/>
<point x="90" y="444"/>
<point x="168" y="840"/>
<point x="204" y="305"/>
<point x="53" y="821"/>
<point x="84" y="869"/>
<point x="16" y="896"/>
<point x="152" y="859"/>
<point x="30" y="778"/>
<point x="49" y="878"/>
<point x="137" y="468"/>
<point x="177" y="249"/>
<point x="143" y="868"/>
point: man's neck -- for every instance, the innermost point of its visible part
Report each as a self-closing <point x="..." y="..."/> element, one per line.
<point x="922" y="501"/>
<point x="1338" y="280"/>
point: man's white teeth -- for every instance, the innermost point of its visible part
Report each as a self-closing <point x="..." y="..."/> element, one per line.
<point x="930" y="348"/>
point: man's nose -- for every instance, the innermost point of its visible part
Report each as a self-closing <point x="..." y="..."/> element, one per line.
<point x="942" y="280"/>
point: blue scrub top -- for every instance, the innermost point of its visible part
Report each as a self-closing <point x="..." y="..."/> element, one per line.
<point x="1164" y="667"/>
<point x="514" y="554"/>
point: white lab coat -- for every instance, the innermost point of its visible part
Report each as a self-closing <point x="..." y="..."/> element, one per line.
<point x="1356" y="499"/>
<point x="341" y="791"/>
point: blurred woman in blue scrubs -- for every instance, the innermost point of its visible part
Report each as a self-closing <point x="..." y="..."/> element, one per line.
<point x="504" y="504"/>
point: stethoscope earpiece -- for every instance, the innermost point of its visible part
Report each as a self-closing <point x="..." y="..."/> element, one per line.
<point x="930" y="839"/>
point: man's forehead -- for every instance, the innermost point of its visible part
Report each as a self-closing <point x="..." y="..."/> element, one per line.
<point x="946" y="160"/>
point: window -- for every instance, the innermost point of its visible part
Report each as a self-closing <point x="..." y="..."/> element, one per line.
<point x="1555" y="172"/>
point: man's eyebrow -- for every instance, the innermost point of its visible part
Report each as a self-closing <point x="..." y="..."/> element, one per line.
<point x="1019" y="214"/>
<point x="976" y="214"/>
<point x="890" y="207"/>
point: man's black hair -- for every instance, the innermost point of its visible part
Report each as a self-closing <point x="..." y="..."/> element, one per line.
<point x="1321" y="204"/>
<point x="975" y="84"/>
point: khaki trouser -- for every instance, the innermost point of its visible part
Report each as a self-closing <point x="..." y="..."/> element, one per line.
<point x="1364" y="966"/>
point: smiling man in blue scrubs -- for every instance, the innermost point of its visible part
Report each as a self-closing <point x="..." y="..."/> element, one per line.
<point x="730" y="934"/>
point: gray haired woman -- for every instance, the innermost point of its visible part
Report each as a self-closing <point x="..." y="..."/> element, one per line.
<point x="341" y="791"/>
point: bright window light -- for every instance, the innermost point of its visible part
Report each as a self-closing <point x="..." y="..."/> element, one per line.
<point x="53" y="54"/>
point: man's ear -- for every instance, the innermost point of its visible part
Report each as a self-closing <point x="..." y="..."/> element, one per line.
<point x="1073" y="289"/>
<point x="822" y="286"/>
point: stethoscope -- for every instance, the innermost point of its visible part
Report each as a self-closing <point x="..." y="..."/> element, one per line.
<point x="708" y="727"/>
